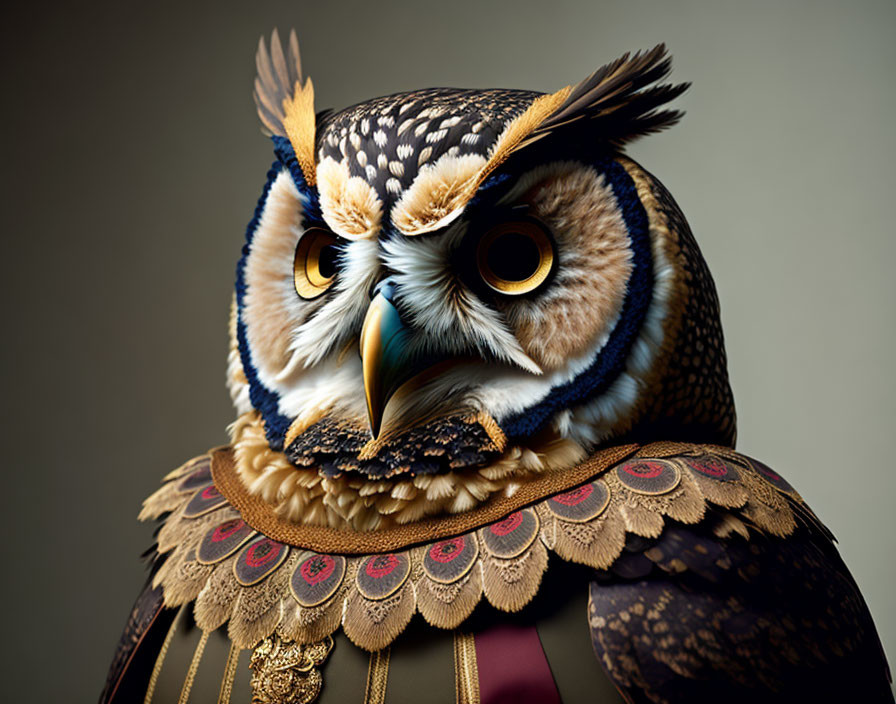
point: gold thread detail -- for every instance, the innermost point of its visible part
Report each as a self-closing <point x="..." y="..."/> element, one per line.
<point x="466" y="669"/>
<point x="377" y="677"/>
<point x="157" y="668"/>
<point x="233" y="661"/>
<point x="194" y="668"/>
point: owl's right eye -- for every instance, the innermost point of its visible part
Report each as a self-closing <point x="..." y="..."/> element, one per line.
<point x="516" y="257"/>
<point x="314" y="270"/>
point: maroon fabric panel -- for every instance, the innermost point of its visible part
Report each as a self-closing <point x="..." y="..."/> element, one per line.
<point x="513" y="668"/>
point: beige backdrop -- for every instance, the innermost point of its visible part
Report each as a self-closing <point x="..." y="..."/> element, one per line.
<point x="132" y="161"/>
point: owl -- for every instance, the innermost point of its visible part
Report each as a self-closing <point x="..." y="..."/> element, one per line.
<point x="484" y="439"/>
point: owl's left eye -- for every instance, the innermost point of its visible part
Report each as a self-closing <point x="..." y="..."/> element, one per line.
<point x="516" y="256"/>
<point x="314" y="270"/>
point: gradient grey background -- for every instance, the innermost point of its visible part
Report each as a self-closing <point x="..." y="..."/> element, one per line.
<point x="132" y="161"/>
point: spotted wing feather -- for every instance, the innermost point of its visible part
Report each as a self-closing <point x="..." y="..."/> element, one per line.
<point x="692" y="617"/>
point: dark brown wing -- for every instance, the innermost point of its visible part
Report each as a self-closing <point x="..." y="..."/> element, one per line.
<point x="136" y="652"/>
<point x="693" y="618"/>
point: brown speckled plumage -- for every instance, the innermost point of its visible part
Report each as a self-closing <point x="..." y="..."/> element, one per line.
<point x="385" y="141"/>
<point x="691" y="400"/>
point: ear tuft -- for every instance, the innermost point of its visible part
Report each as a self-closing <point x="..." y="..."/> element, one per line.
<point x="285" y="100"/>
<point x="621" y="99"/>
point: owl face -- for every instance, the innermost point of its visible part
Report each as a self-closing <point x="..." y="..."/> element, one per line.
<point x="437" y="280"/>
<point x="505" y="303"/>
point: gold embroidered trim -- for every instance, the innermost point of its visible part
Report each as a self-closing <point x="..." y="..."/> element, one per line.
<point x="377" y="677"/>
<point x="160" y="659"/>
<point x="466" y="669"/>
<point x="194" y="668"/>
<point x="233" y="661"/>
<point x="286" y="671"/>
<point x="262" y="516"/>
<point x="702" y="484"/>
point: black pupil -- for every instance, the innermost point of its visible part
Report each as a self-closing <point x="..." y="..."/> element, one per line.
<point x="513" y="257"/>
<point x="326" y="260"/>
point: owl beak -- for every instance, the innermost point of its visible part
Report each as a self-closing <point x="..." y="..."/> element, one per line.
<point x="385" y="359"/>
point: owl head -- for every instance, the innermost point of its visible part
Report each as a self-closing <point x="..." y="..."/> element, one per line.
<point x="446" y="292"/>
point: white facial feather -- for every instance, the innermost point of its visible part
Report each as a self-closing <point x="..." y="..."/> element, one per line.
<point x="333" y="385"/>
<point x="236" y="383"/>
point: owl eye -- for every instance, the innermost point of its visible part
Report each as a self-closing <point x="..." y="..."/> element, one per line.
<point x="314" y="269"/>
<point x="515" y="257"/>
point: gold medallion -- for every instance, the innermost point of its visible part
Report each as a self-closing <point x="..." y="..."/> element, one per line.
<point x="286" y="672"/>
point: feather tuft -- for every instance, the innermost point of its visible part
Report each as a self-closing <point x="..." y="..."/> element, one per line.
<point x="620" y="100"/>
<point x="285" y="99"/>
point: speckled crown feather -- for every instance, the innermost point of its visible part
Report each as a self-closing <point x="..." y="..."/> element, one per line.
<point x="386" y="141"/>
